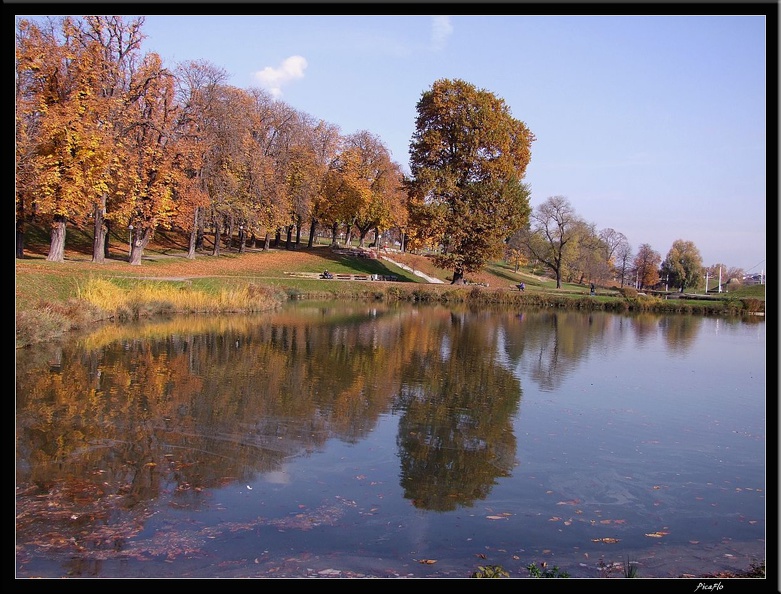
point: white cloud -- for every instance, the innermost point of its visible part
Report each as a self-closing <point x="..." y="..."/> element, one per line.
<point x="273" y="79"/>
<point x="441" y="29"/>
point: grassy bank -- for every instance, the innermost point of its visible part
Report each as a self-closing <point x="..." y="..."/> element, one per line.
<point x="55" y="298"/>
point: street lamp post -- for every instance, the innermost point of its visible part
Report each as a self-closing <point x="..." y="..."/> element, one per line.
<point x="130" y="241"/>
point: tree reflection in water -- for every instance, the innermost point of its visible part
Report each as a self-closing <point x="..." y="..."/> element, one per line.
<point x="134" y="419"/>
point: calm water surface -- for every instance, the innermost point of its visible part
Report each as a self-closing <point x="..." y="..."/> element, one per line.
<point x="352" y="440"/>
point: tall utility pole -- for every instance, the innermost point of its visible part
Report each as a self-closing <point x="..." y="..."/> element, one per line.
<point x="719" y="279"/>
<point x="706" y="282"/>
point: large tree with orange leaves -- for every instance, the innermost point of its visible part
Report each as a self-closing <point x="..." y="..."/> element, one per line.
<point x="468" y="157"/>
<point x="65" y="146"/>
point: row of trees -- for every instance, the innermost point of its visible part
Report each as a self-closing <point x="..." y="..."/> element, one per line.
<point x="108" y="138"/>
<point x="573" y="250"/>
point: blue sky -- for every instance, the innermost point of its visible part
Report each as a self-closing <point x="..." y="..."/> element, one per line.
<point x="652" y="125"/>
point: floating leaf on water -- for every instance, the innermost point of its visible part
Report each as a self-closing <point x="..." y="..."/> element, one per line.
<point x="496" y="517"/>
<point x="427" y="561"/>
<point x="569" y="502"/>
<point x="606" y="540"/>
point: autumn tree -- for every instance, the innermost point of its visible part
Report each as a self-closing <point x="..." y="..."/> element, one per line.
<point x="683" y="264"/>
<point x="646" y="264"/>
<point x="151" y="145"/>
<point x="225" y="167"/>
<point x="586" y="263"/>
<point x="614" y="247"/>
<point x="623" y="255"/>
<point x="197" y="91"/>
<point x="57" y="100"/>
<point x="554" y="225"/>
<point x="735" y="272"/>
<point x="302" y="173"/>
<point x="326" y="142"/>
<point x="37" y="64"/>
<point x="114" y="49"/>
<point x="346" y="190"/>
<point x="377" y="183"/>
<point x="468" y="158"/>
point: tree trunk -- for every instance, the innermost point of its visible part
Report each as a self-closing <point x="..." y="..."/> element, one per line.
<point x="193" y="235"/>
<point x="106" y="244"/>
<point x="289" y="238"/>
<point x="312" y="231"/>
<point x="229" y="232"/>
<point x="216" y="249"/>
<point x="99" y="234"/>
<point x="200" y="233"/>
<point x="242" y="240"/>
<point x="138" y="244"/>
<point x="57" y="245"/>
<point x="298" y="231"/>
<point x="334" y="231"/>
<point x="267" y="242"/>
<point x="19" y="237"/>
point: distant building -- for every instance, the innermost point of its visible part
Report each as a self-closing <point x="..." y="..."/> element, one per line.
<point x="754" y="279"/>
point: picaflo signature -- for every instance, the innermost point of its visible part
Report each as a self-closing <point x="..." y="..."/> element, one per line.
<point x="714" y="587"/>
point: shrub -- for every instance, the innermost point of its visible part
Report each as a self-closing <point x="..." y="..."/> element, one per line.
<point x="490" y="571"/>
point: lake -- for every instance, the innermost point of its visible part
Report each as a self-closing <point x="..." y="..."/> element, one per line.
<point x="381" y="440"/>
